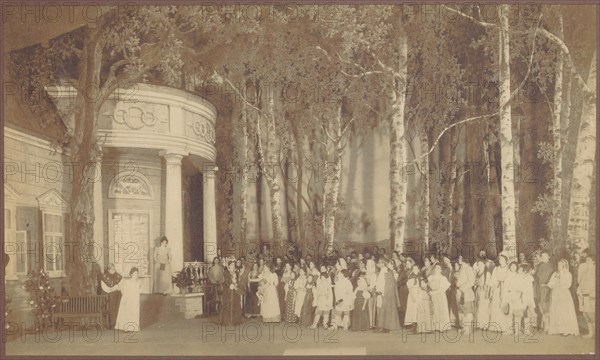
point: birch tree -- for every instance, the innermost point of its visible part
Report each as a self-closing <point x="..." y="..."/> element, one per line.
<point x="243" y="158"/>
<point x="398" y="184"/>
<point x="557" y="142"/>
<point x="337" y="140"/>
<point x="583" y="172"/>
<point x="425" y="191"/>
<point x="506" y="140"/>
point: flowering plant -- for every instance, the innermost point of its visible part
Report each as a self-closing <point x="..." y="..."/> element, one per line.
<point x="233" y="285"/>
<point x="41" y="297"/>
<point x="7" y="301"/>
<point x="184" y="279"/>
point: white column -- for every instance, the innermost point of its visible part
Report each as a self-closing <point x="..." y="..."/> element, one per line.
<point x="173" y="208"/>
<point x="210" y="215"/>
<point x="98" y="214"/>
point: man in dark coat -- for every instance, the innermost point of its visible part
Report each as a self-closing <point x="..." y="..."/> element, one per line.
<point x="111" y="278"/>
<point x="387" y="301"/>
<point x="542" y="276"/>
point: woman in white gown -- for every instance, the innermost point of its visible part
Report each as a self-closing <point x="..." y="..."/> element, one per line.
<point x="438" y="284"/>
<point x="128" y="318"/>
<point x="300" y="287"/>
<point x="563" y="319"/>
<point x="269" y="299"/>
<point x="371" y="278"/>
<point x="500" y="316"/>
<point x="418" y="310"/>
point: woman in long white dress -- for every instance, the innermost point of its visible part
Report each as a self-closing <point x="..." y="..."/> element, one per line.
<point x="269" y="299"/>
<point x="417" y="308"/>
<point x="300" y="287"/>
<point x="128" y="318"/>
<point x="371" y="278"/>
<point x="500" y="316"/>
<point x="414" y="296"/>
<point x="482" y="295"/>
<point x="438" y="284"/>
<point x="514" y="292"/>
<point x="562" y="319"/>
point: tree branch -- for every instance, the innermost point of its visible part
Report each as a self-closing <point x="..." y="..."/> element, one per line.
<point x="347" y="127"/>
<point x="113" y="70"/>
<point x="239" y="93"/>
<point x="546" y="97"/>
<point x="502" y="106"/>
<point x="548" y="35"/>
<point x="479" y="22"/>
<point x="567" y="56"/>
<point x="361" y="75"/>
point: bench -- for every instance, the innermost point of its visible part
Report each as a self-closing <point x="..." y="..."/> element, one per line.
<point x="80" y="307"/>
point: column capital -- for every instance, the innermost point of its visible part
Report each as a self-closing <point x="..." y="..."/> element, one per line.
<point x="173" y="156"/>
<point x="209" y="169"/>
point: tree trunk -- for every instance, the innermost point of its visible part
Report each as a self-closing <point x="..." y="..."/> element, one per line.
<point x="506" y="140"/>
<point x="299" y="185"/>
<point x="557" y="138"/>
<point x="259" y="186"/>
<point x="565" y="124"/>
<point x="583" y="171"/>
<point x="451" y="187"/>
<point x="290" y="201"/>
<point x="243" y="153"/>
<point x="269" y="170"/>
<point x="425" y="192"/>
<point x="84" y="152"/>
<point x="461" y="240"/>
<point x="333" y="177"/>
<point x="398" y="188"/>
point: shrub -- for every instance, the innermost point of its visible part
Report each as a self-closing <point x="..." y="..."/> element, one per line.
<point x="41" y="297"/>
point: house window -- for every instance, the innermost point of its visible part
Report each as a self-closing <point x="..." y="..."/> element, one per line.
<point x="10" y="247"/>
<point x="53" y="208"/>
<point x="9" y="242"/>
<point x="21" y="255"/>
<point x="53" y="243"/>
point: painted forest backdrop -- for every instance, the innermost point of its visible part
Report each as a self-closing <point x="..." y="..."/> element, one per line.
<point x="505" y="92"/>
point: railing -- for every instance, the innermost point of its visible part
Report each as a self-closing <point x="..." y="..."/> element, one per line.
<point x="198" y="271"/>
<point x="193" y="277"/>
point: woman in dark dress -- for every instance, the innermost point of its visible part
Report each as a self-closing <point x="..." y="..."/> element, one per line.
<point x="451" y="293"/>
<point x="403" y="275"/>
<point x="360" y="315"/>
<point x="307" y="312"/>
<point x="252" y="306"/>
<point x="231" y="310"/>
<point x="290" y="300"/>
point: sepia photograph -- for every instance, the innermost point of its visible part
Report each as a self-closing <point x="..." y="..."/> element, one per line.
<point x="299" y="179"/>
